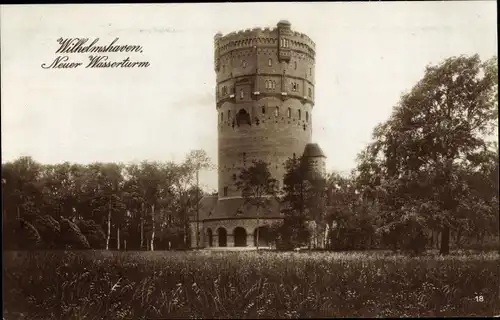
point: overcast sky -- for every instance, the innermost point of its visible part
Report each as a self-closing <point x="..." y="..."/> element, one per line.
<point x="368" y="54"/>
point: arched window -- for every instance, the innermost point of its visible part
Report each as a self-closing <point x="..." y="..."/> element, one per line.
<point x="289" y="113"/>
<point x="221" y="116"/>
<point x="309" y="92"/>
<point x="274" y="84"/>
<point x="295" y="65"/>
<point x="242" y="94"/>
<point x="267" y="84"/>
<point x="228" y="114"/>
<point x="270" y="62"/>
<point x="307" y="116"/>
<point x="242" y="117"/>
<point x="244" y="64"/>
<point x="276" y="111"/>
<point x="263" y="109"/>
<point x="300" y="114"/>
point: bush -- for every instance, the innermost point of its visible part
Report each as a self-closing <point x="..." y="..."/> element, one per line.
<point x="404" y="235"/>
<point x="71" y="236"/>
<point x="22" y="235"/>
<point x="49" y="230"/>
<point x="93" y="233"/>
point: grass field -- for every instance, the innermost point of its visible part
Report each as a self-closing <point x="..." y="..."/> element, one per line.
<point x="126" y="285"/>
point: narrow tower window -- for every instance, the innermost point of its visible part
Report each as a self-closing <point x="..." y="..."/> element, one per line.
<point x="244" y="64"/>
<point x="307" y="116"/>
<point x="270" y="62"/>
<point x="225" y="191"/>
<point x="310" y="71"/>
<point x="263" y="109"/>
<point x="221" y="116"/>
<point x="274" y="84"/>
<point x="295" y="65"/>
<point x="289" y="113"/>
<point x="242" y="94"/>
<point x="276" y="111"/>
<point x="228" y="114"/>
<point x="300" y="114"/>
<point x="309" y="92"/>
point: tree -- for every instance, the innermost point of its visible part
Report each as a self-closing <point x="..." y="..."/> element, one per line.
<point x="198" y="160"/>
<point x="71" y="235"/>
<point x="434" y="133"/>
<point x="49" y="230"/>
<point x="22" y="188"/>
<point x="297" y="190"/>
<point x="93" y="233"/>
<point x="258" y="188"/>
<point x="136" y="202"/>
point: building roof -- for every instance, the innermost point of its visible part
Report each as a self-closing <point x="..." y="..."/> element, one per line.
<point x="206" y="207"/>
<point x="313" y="150"/>
<point x="212" y="208"/>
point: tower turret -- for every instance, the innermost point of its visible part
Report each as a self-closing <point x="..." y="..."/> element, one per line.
<point x="315" y="158"/>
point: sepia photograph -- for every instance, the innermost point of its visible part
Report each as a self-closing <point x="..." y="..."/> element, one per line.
<point x="265" y="160"/>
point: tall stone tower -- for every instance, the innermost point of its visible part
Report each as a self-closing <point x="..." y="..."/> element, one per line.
<point x="264" y="101"/>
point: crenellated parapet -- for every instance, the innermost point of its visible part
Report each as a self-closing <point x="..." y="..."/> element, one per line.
<point x="264" y="37"/>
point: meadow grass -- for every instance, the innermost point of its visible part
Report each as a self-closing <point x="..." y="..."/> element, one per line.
<point x="133" y="285"/>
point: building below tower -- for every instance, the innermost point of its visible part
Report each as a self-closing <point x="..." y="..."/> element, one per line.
<point x="231" y="223"/>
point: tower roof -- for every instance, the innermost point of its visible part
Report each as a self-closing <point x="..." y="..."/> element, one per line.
<point x="313" y="150"/>
<point x="284" y="22"/>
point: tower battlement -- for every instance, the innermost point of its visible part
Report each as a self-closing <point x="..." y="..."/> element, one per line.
<point x="249" y="38"/>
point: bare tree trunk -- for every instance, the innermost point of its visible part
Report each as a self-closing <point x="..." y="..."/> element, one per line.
<point x="257" y="230"/>
<point x="109" y="224"/>
<point x="197" y="209"/>
<point x="153" y="232"/>
<point x="118" y="238"/>
<point x="459" y="235"/>
<point x="445" y="241"/>
<point x="142" y="226"/>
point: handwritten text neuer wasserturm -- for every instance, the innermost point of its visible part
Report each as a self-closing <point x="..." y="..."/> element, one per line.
<point x="98" y="57"/>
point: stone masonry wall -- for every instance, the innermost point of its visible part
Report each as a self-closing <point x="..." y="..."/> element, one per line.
<point x="276" y="94"/>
